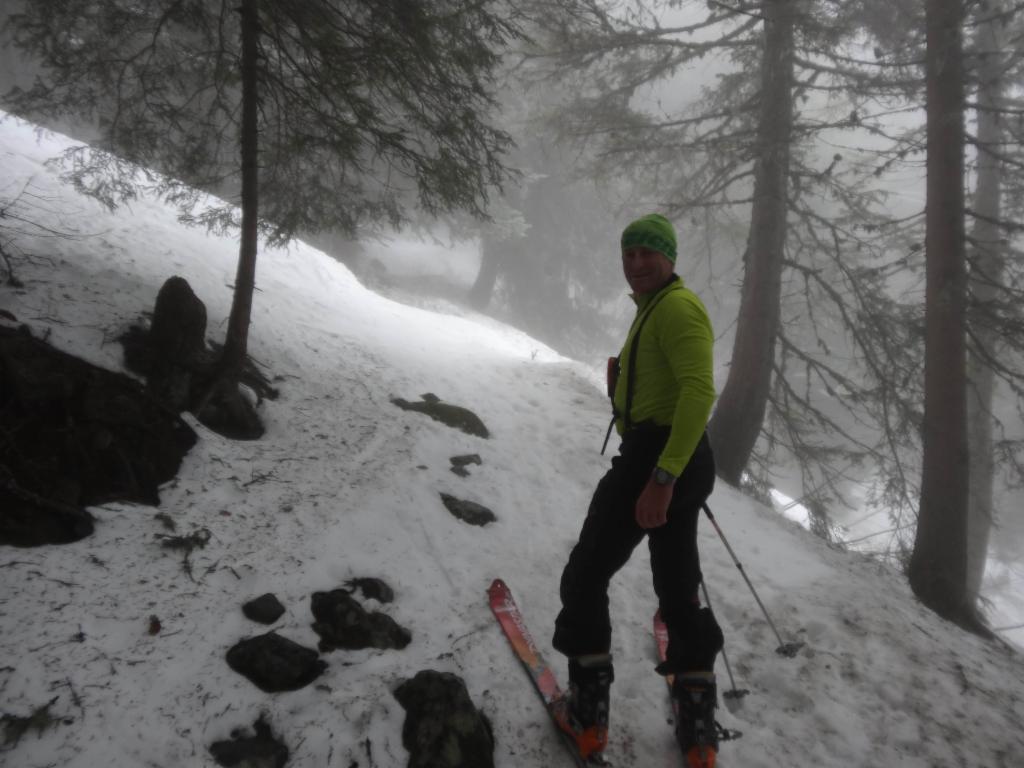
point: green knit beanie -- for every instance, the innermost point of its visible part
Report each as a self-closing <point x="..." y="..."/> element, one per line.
<point x="652" y="231"/>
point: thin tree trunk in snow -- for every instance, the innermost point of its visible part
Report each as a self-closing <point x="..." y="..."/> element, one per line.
<point x="737" y="420"/>
<point x="237" y="337"/>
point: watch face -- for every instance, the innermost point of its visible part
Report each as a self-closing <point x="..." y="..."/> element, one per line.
<point x="661" y="477"/>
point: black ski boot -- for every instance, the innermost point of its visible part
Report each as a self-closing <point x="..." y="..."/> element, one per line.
<point x="696" y="697"/>
<point x="590" y="680"/>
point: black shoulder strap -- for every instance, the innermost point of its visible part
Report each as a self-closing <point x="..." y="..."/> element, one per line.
<point x="631" y="369"/>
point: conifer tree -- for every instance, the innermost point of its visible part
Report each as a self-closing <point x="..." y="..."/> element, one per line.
<point x="746" y="152"/>
<point x="995" y="317"/>
<point x="848" y="390"/>
<point x="739" y="415"/>
<point x="990" y="150"/>
<point x="938" y="566"/>
<point x="323" y="113"/>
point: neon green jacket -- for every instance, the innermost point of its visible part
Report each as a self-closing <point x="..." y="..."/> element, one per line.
<point x="674" y="379"/>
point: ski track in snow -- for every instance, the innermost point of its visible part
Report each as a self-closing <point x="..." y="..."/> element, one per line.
<point x="345" y="484"/>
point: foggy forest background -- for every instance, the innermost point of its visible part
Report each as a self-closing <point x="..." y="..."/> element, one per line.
<point x="845" y="177"/>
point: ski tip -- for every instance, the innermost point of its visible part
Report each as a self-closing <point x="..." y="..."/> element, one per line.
<point x="497" y="586"/>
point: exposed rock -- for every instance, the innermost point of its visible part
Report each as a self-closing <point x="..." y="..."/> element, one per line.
<point x="259" y="751"/>
<point x="172" y="353"/>
<point x="459" y="463"/>
<point x="453" y="415"/>
<point x="468" y="511"/>
<point x="274" y="663"/>
<point x="372" y="589"/>
<point x="75" y="435"/>
<point x="266" y="609"/>
<point x="181" y="367"/>
<point x="342" y="622"/>
<point x="177" y="337"/>
<point x="223" y="407"/>
<point x="443" y="729"/>
<point x="29" y="520"/>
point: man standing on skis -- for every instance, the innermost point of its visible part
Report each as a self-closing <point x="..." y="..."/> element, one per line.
<point x="655" y="488"/>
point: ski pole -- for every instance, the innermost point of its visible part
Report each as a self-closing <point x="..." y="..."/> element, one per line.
<point x="734" y="692"/>
<point x="785" y="649"/>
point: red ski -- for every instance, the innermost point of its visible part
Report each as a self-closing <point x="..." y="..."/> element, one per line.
<point x="661" y="637"/>
<point x="698" y="758"/>
<point x="541" y="675"/>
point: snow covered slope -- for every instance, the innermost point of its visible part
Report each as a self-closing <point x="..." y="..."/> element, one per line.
<point x="344" y="484"/>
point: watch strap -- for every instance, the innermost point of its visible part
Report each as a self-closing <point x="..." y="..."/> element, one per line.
<point x="663" y="477"/>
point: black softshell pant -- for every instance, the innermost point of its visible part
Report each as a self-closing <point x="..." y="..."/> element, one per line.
<point x="609" y="536"/>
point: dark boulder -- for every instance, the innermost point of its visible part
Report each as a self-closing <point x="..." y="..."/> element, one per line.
<point x="29" y="520"/>
<point x="443" y="728"/>
<point x="261" y="750"/>
<point x="75" y="435"/>
<point x="468" y="511"/>
<point x="459" y="463"/>
<point x="343" y="623"/>
<point x="177" y="338"/>
<point x="372" y="589"/>
<point x="183" y="370"/>
<point x="266" y="609"/>
<point x="453" y="415"/>
<point x="274" y="663"/>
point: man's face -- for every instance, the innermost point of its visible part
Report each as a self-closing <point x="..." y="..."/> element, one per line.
<point x="646" y="271"/>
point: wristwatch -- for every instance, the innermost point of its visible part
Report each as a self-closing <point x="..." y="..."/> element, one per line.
<point x="661" y="477"/>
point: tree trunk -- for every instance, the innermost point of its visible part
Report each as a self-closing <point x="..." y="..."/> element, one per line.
<point x="482" y="290"/>
<point x="737" y="420"/>
<point x="237" y="338"/>
<point x="938" y="565"/>
<point x="986" y="275"/>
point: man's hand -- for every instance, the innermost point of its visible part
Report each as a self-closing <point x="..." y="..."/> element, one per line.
<point x="652" y="506"/>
